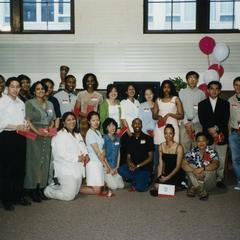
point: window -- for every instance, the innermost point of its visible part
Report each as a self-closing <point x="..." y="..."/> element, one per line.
<point x="37" y="16"/>
<point x="201" y="16"/>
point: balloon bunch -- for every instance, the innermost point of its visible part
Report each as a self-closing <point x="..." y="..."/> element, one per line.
<point x="220" y="53"/>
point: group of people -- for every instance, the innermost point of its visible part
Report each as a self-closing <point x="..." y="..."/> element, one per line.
<point x="51" y="141"/>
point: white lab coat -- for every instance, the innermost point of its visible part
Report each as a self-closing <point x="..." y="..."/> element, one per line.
<point x="66" y="150"/>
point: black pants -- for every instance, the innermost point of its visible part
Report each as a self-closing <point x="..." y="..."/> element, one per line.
<point x="12" y="166"/>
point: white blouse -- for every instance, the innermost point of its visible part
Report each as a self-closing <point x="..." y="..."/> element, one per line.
<point x="11" y="112"/>
<point x="66" y="149"/>
<point x="130" y="111"/>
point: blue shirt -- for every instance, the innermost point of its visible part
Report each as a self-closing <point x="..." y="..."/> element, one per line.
<point x="145" y="114"/>
<point x="112" y="147"/>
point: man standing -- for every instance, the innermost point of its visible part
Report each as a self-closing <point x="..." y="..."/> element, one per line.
<point x="234" y="138"/>
<point x="67" y="98"/>
<point x="190" y="98"/>
<point x="138" y="168"/>
<point x="63" y="73"/>
<point x="214" y="113"/>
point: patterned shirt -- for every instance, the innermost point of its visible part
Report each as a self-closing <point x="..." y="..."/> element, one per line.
<point x="194" y="157"/>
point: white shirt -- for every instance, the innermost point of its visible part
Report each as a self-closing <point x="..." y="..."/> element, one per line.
<point x="66" y="149"/>
<point x="66" y="101"/>
<point x="213" y="103"/>
<point x="130" y="111"/>
<point x="11" y="112"/>
<point x="113" y="112"/>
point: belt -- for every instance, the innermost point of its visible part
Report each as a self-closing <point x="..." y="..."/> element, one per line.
<point x="234" y="129"/>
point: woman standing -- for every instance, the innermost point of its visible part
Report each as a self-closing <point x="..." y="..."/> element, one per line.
<point x="40" y="113"/>
<point x="95" y="167"/>
<point x="170" y="161"/>
<point x="13" y="146"/>
<point x="110" y="107"/>
<point x="167" y="110"/>
<point x="87" y="100"/>
<point x="146" y="112"/>
<point x="69" y="157"/>
<point x="25" y="84"/>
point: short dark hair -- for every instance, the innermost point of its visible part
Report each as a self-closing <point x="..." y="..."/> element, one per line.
<point x="11" y="79"/>
<point x="92" y="113"/>
<point x="33" y="87"/>
<point x="139" y="119"/>
<point x="64" y="66"/>
<point x="22" y="77"/>
<point x="107" y="122"/>
<point x="214" y="83"/>
<point x="173" y="91"/>
<point x="110" y="87"/>
<point x="45" y="80"/>
<point x="68" y="77"/>
<point x="234" y="81"/>
<point x="2" y="77"/>
<point x="85" y="78"/>
<point x="171" y="127"/>
<point x="65" y="115"/>
<point x="200" y="134"/>
<point x="192" y="73"/>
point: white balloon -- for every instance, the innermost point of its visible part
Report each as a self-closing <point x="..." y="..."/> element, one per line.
<point x="210" y="75"/>
<point x="221" y="52"/>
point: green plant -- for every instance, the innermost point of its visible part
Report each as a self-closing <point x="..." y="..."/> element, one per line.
<point x="178" y="82"/>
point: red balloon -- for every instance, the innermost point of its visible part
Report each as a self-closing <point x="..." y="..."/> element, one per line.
<point x="207" y="45"/>
<point x="218" y="68"/>
<point x="203" y="87"/>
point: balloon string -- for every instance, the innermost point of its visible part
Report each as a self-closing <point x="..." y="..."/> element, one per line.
<point x="208" y="60"/>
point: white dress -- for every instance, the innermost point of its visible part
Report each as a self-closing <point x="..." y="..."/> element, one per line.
<point x="165" y="108"/>
<point x="66" y="149"/>
<point x="94" y="168"/>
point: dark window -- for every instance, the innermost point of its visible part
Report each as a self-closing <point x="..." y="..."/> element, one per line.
<point x="29" y="11"/>
<point x="47" y="9"/>
<point x="190" y="16"/>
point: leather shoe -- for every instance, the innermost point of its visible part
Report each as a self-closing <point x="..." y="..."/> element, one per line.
<point x="34" y="196"/>
<point x="8" y="206"/>
<point x="24" y="202"/>
<point x="221" y="185"/>
<point x="41" y="194"/>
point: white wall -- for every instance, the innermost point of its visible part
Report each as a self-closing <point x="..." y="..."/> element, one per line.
<point x="109" y="42"/>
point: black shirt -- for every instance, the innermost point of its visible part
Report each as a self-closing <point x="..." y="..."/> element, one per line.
<point x="56" y="106"/>
<point x="139" y="148"/>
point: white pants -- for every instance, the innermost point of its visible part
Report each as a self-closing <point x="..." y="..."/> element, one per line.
<point x="67" y="190"/>
<point x="113" y="181"/>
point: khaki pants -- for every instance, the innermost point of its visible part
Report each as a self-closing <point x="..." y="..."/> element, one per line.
<point x="185" y="139"/>
<point x="208" y="183"/>
<point x="222" y="151"/>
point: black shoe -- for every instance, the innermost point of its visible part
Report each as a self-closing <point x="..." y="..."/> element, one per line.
<point x="35" y="196"/>
<point x="221" y="185"/>
<point x="41" y="194"/>
<point x="8" y="206"/>
<point x="24" y="202"/>
<point x="153" y="192"/>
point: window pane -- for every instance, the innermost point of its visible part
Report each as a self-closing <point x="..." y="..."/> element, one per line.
<point x="50" y="15"/>
<point x="5" y="16"/>
<point x="172" y="15"/>
<point x="224" y="14"/>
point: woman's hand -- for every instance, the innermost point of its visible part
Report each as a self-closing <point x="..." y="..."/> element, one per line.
<point x="81" y="158"/>
<point x="164" y="179"/>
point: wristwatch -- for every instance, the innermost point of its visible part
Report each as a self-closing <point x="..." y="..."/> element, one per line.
<point x="138" y="165"/>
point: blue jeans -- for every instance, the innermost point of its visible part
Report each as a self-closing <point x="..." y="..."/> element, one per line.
<point x="234" y="143"/>
<point x="140" y="178"/>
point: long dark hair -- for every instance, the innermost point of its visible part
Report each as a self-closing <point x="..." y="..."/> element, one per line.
<point x="173" y="91"/>
<point x="64" y="117"/>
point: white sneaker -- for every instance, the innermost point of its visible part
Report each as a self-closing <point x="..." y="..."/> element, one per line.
<point x="237" y="187"/>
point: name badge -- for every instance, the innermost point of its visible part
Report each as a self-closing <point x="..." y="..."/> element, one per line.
<point x="234" y="106"/>
<point x="94" y="99"/>
<point x="146" y="110"/>
<point x="165" y="190"/>
<point x="64" y="101"/>
<point x="49" y="110"/>
<point x="142" y="142"/>
<point x="195" y="107"/>
<point x="116" y="143"/>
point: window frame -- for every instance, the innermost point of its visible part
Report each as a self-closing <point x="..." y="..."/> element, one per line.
<point x="202" y="21"/>
<point x="16" y="21"/>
